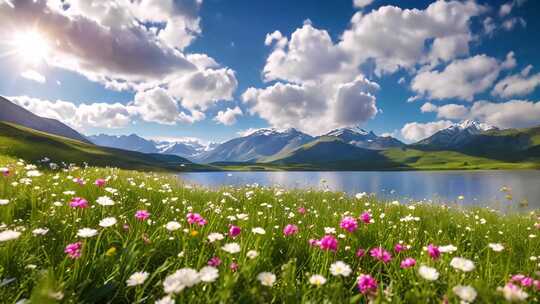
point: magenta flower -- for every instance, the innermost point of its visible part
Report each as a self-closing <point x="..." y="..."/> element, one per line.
<point x="360" y="252"/>
<point x="399" y="248"/>
<point x="78" y="202"/>
<point x="195" y="218"/>
<point x="365" y="217"/>
<point x="302" y="210"/>
<point x="328" y="242"/>
<point x="367" y="284"/>
<point x="407" y="263"/>
<point x="214" y="262"/>
<point x="314" y="242"/>
<point x="100" y="182"/>
<point x="142" y="215"/>
<point x="380" y="254"/>
<point x="233" y="266"/>
<point x="290" y="229"/>
<point x="433" y="251"/>
<point x="527" y="282"/>
<point x="5" y="172"/>
<point x="79" y="181"/>
<point x="349" y="223"/>
<point x="234" y="231"/>
<point x="73" y="250"/>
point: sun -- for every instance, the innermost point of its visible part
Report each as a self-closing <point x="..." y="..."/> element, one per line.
<point x="31" y="47"/>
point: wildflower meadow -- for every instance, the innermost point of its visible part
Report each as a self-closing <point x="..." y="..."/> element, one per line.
<point x="101" y="235"/>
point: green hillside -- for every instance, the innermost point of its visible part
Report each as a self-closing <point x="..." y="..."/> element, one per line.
<point x="31" y="145"/>
<point x="508" y="149"/>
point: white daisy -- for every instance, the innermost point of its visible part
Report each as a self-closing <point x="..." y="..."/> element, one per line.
<point x="107" y="222"/>
<point x="231" y="248"/>
<point x="87" y="232"/>
<point x="137" y="278"/>
<point x="462" y="264"/>
<point x="428" y="273"/>
<point x="340" y="268"/>
<point x="266" y="278"/>
<point x="317" y="280"/>
<point x="209" y="274"/>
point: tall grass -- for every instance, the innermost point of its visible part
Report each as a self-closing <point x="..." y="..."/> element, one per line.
<point x="35" y="267"/>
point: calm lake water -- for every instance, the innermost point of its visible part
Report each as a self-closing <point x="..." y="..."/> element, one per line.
<point x="478" y="187"/>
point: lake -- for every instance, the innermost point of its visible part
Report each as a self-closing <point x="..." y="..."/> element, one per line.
<point x="481" y="188"/>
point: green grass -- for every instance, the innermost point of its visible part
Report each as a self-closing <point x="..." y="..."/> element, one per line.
<point x="20" y="142"/>
<point x="36" y="267"/>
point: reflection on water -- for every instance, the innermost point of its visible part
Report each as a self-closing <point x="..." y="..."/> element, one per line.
<point x="477" y="187"/>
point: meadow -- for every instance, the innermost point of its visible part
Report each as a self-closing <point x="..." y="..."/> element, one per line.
<point x="72" y="234"/>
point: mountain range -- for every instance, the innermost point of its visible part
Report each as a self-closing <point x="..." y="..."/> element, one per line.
<point x="468" y="144"/>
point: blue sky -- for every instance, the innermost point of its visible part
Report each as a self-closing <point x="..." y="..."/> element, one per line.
<point x="233" y="33"/>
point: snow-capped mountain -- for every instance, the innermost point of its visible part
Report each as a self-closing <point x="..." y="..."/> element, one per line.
<point x="456" y="135"/>
<point x="361" y="138"/>
<point x="256" y="145"/>
<point x="188" y="148"/>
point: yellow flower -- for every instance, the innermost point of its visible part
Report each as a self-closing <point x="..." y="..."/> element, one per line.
<point x="111" y="251"/>
<point x="194" y="232"/>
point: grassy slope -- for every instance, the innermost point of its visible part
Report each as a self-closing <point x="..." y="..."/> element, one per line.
<point x="101" y="272"/>
<point x="307" y="156"/>
<point x="32" y="145"/>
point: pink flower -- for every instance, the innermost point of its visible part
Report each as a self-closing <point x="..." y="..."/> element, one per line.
<point x="360" y="252"/>
<point x="380" y="254"/>
<point x="100" y="182"/>
<point x="73" y="250"/>
<point x="365" y="217"/>
<point x="349" y="223"/>
<point x="314" y="242"/>
<point x="407" y="263"/>
<point x="290" y="229"/>
<point x="537" y="284"/>
<point x="5" y="172"/>
<point x="328" y="242"/>
<point x="399" y="248"/>
<point x="142" y="215"/>
<point x="79" y="181"/>
<point x="527" y="282"/>
<point x="78" y="202"/>
<point x="302" y="210"/>
<point x="195" y="218"/>
<point x="233" y="266"/>
<point x="433" y="251"/>
<point x="214" y="262"/>
<point x="234" y="231"/>
<point x="367" y="284"/>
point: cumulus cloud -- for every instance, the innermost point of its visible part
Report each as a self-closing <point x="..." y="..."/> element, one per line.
<point x="228" y="117"/>
<point x="201" y="89"/>
<point x="415" y="131"/>
<point x="517" y="85"/>
<point x="361" y="3"/>
<point x="407" y="32"/>
<point x="309" y="55"/>
<point x="127" y="45"/>
<point x="510" y="114"/>
<point x="313" y="108"/>
<point x="463" y="78"/>
<point x="156" y="105"/>
<point x="33" y="75"/>
<point x="79" y="116"/>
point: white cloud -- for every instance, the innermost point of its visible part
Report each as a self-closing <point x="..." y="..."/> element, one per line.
<point x="82" y="116"/>
<point x="156" y="105"/>
<point x="510" y="114"/>
<point x="517" y="85"/>
<point x="126" y="45"/>
<point x="33" y="75"/>
<point x="228" y="117"/>
<point x="449" y="111"/>
<point x="463" y="78"/>
<point x="416" y="131"/>
<point x="506" y="9"/>
<point x="313" y="108"/>
<point x="511" y="23"/>
<point x="202" y="89"/>
<point x="408" y="32"/>
<point x="361" y="3"/>
<point x="309" y="55"/>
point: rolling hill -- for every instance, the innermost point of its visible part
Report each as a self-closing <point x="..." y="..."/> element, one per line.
<point x="10" y="112"/>
<point x="32" y="145"/>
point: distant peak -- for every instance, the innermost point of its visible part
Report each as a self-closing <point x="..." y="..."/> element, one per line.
<point x="357" y="130"/>
<point x="473" y="125"/>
